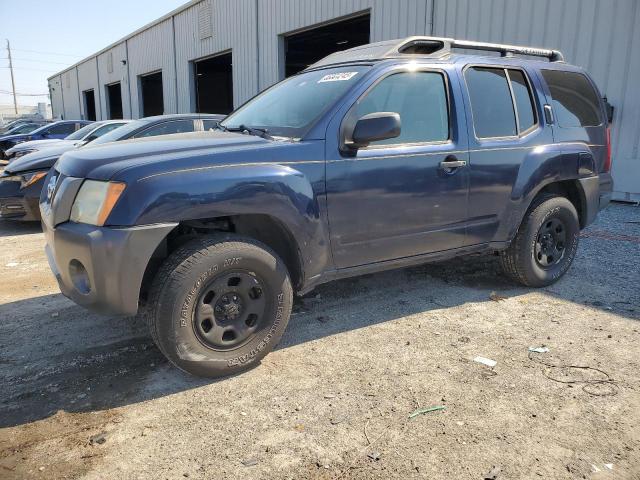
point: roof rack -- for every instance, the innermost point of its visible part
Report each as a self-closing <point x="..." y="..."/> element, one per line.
<point x="506" y="50"/>
<point x="436" y="47"/>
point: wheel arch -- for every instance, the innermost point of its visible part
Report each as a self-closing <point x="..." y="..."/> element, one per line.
<point x="264" y="228"/>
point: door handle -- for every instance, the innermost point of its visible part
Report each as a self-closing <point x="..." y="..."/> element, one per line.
<point x="451" y="163"/>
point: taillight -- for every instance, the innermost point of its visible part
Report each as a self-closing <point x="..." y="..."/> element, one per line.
<point x="607" y="161"/>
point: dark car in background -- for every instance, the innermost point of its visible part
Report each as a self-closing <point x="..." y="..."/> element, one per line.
<point x="4" y="129"/>
<point x="85" y="135"/>
<point x="20" y="129"/>
<point x="22" y="180"/>
<point x="59" y="129"/>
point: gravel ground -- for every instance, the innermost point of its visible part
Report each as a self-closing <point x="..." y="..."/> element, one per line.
<point x="90" y="397"/>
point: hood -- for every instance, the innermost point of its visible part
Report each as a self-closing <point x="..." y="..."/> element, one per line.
<point x="102" y="162"/>
<point x="37" y="144"/>
<point x="40" y="160"/>
<point x="8" y="138"/>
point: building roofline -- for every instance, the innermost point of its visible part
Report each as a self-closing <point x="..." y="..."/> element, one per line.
<point x="152" y="24"/>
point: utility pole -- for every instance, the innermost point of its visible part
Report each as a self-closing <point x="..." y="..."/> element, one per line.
<point x="13" y="83"/>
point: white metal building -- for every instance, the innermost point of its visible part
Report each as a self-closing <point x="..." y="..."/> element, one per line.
<point x="213" y="55"/>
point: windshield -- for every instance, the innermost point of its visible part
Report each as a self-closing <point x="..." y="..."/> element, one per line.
<point x="120" y="132"/>
<point x="79" y="134"/>
<point x="291" y="107"/>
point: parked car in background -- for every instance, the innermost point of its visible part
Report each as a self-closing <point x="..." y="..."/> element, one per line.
<point x="59" y="129"/>
<point x="84" y="135"/>
<point x="16" y="123"/>
<point x="22" y="180"/>
<point x="23" y="128"/>
<point x="382" y="156"/>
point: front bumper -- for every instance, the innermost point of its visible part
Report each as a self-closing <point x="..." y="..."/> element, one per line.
<point x="17" y="203"/>
<point x="101" y="268"/>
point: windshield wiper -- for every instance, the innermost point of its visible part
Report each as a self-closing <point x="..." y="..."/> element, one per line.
<point x="259" y="132"/>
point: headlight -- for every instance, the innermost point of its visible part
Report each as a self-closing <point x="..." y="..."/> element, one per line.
<point x="95" y="200"/>
<point x="20" y="153"/>
<point x="29" y="179"/>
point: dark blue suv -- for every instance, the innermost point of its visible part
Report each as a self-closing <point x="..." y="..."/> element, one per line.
<point x="382" y="156"/>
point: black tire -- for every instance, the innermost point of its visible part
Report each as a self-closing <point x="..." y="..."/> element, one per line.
<point x="248" y="274"/>
<point x="526" y="260"/>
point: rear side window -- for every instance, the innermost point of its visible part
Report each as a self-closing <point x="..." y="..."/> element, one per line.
<point x="523" y="100"/>
<point x="575" y="102"/>
<point x="420" y="98"/>
<point x="62" y="129"/>
<point x="166" y="128"/>
<point x="491" y="104"/>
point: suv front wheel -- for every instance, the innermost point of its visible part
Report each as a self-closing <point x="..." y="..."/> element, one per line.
<point x="545" y="244"/>
<point x="219" y="304"/>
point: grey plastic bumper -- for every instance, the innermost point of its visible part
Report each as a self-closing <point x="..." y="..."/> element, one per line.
<point x="597" y="195"/>
<point x="101" y="268"/>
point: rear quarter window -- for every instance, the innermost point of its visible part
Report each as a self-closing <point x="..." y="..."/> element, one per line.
<point x="574" y="100"/>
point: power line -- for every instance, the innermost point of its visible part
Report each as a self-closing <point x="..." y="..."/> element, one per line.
<point x="6" y="92"/>
<point x="34" y="60"/>
<point x="33" y="69"/>
<point x="47" y="53"/>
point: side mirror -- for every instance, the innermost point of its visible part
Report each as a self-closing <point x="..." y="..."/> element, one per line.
<point x="90" y="138"/>
<point x="375" y="126"/>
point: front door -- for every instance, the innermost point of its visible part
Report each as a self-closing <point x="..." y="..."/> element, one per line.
<point x="403" y="196"/>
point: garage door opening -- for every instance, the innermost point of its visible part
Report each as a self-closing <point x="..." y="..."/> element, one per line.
<point x="114" y="101"/>
<point x="151" y="91"/>
<point x="89" y="105"/>
<point x="214" y="84"/>
<point x="304" y="48"/>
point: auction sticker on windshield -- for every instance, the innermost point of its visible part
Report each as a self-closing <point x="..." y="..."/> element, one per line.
<point x="338" y="77"/>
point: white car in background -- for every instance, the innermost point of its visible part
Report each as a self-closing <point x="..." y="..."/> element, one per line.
<point x="78" y="138"/>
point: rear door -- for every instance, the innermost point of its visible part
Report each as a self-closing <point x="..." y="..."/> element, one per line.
<point x="397" y="198"/>
<point x="61" y="130"/>
<point x="504" y="126"/>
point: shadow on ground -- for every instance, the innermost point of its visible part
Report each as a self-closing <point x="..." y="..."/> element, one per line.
<point x="11" y="228"/>
<point x="56" y="356"/>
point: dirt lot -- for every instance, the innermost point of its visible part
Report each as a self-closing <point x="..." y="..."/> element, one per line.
<point x="85" y="396"/>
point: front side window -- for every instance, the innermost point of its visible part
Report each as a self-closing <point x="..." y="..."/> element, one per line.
<point x="292" y="106"/>
<point x="167" y="128"/>
<point x="575" y="102"/>
<point x="420" y="98"/>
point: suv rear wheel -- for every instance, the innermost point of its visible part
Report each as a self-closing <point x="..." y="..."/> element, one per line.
<point x="219" y="304"/>
<point x="545" y="244"/>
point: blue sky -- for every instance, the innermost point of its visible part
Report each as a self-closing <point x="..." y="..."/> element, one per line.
<point x="47" y="36"/>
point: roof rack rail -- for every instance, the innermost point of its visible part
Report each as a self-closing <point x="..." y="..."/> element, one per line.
<point x="432" y="46"/>
<point x="506" y="50"/>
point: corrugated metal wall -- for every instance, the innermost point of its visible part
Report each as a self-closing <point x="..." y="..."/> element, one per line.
<point x="70" y="94"/>
<point x="88" y="80"/>
<point x="113" y="67"/>
<point x="240" y="39"/>
<point x="150" y="51"/>
<point x="55" y="93"/>
<point x="603" y="36"/>
<point x="389" y="19"/>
